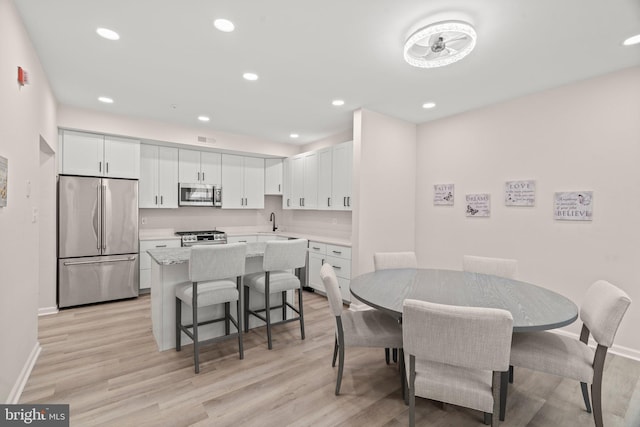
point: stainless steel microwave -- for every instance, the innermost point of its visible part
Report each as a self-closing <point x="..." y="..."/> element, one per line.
<point x="199" y="195"/>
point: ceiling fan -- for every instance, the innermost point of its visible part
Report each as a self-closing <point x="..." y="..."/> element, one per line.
<point x="440" y="44"/>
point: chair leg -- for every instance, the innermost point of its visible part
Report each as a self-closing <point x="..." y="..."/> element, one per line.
<point x="487" y="419"/>
<point x="504" y="383"/>
<point x="301" y="312"/>
<point x="510" y="374"/>
<point x="499" y="382"/>
<point x="267" y="315"/>
<point x="585" y="396"/>
<point x="246" y="308"/>
<point x="196" y="346"/>
<point x="239" y="320"/>
<point x="395" y="355"/>
<point x="596" y="386"/>
<point x="403" y="375"/>
<point x="412" y="391"/>
<point x="335" y="353"/>
<point x="227" y="313"/>
<point x="386" y="356"/>
<point x="340" y="363"/>
<point x="284" y="306"/>
<point x="178" y="323"/>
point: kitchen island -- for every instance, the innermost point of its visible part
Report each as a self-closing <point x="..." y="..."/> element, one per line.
<point x="169" y="267"/>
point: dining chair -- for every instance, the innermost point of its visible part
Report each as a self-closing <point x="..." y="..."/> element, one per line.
<point x="495" y="266"/>
<point x="215" y="277"/>
<point x="456" y="354"/>
<point x="501" y="267"/>
<point x="369" y="328"/>
<point x="280" y="258"/>
<point x="389" y="260"/>
<point x="601" y="312"/>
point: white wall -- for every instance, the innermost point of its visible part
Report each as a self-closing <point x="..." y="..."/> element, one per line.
<point x="99" y="121"/>
<point x="27" y="114"/>
<point x="384" y="187"/>
<point x="585" y="136"/>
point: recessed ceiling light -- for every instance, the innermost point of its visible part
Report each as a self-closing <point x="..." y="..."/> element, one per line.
<point x="250" y="76"/>
<point x="440" y="44"/>
<point x="428" y="105"/>
<point x="105" y="99"/>
<point x="294" y="135"/>
<point x="203" y="118"/>
<point x="108" y="34"/>
<point x="224" y="25"/>
<point x="632" y="40"/>
<point x="337" y="102"/>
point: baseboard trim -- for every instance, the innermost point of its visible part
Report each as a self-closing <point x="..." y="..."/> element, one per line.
<point x="618" y="350"/>
<point x="18" y="387"/>
<point x="45" y="311"/>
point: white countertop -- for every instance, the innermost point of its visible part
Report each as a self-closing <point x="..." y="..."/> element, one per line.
<point x="169" y="233"/>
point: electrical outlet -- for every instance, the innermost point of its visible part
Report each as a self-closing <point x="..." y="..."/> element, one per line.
<point x="144" y="220"/>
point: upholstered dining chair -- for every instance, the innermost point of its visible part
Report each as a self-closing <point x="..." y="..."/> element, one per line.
<point x="502" y="267"/>
<point x="369" y="328"/>
<point x="280" y="257"/>
<point x="389" y="260"/>
<point x="601" y="312"/>
<point x="215" y="277"/>
<point x="495" y="266"/>
<point x="456" y="355"/>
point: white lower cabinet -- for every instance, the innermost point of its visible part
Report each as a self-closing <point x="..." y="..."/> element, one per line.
<point x="242" y="239"/>
<point x="339" y="257"/>
<point x="145" y="259"/>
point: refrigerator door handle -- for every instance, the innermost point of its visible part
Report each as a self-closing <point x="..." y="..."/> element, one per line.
<point x="99" y="262"/>
<point x="104" y="219"/>
<point x="98" y="215"/>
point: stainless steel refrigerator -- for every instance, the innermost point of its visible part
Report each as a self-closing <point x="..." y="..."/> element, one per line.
<point x="97" y="240"/>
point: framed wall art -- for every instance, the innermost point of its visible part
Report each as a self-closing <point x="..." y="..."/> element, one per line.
<point x="443" y="194"/>
<point x="573" y="206"/>
<point x="520" y="193"/>
<point x="478" y="205"/>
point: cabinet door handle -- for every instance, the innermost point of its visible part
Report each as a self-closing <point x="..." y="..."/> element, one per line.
<point x="328" y="201"/>
<point x="344" y="201"/>
<point x="288" y="202"/>
<point x="336" y="267"/>
<point x="279" y="188"/>
<point x="316" y="248"/>
<point x="322" y="262"/>
<point x="156" y="200"/>
<point x="242" y="241"/>
<point x="337" y="252"/>
<point x="161" y="246"/>
<point x="100" y="167"/>
<point x="348" y="200"/>
<point x="162" y="200"/>
<point x="107" y="166"/>
<point x="203" y="176"/>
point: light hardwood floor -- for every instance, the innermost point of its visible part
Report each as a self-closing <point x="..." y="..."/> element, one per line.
<point x="103" y="361"/>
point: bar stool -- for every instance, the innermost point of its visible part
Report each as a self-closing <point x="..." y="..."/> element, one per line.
<point x="212" y="270"/>
<point x="280" y="256"/>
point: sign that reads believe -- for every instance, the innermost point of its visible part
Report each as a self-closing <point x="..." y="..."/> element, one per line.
<point x="520" y="193"/>
<point x="573" y="206"/>
<point x="478" y="205"/>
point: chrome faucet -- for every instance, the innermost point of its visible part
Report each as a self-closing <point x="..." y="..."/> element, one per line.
<point x="272" y="218"/>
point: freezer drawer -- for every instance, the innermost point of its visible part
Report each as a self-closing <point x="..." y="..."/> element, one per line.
<point x="96" y="279"/>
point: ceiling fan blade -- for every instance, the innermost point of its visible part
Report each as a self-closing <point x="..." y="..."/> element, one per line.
<point x="459" y="37"/>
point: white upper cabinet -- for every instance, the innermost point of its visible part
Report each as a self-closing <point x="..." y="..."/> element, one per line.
<point x="158" y="186"/>
<point x="242" y="182"/>
<point x="342" y="176"/>
<point x="325" y="163"/>
<point x="304" y="181"/>
<point x="91" y="154"/>
<point x="200" y="167"/>
<point x="287" y="180"/>
<point x="273" y="174"/>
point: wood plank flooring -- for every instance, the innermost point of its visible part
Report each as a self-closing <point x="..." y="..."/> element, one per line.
<point x="103" y="361"/>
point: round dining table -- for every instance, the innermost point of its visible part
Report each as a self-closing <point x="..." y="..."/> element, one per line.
<point x="533" y="308"/>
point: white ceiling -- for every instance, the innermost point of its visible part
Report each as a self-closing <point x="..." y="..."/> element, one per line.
<point x="308" y="53"/>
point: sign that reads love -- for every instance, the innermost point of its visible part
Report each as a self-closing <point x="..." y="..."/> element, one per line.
<point x="520" y="193"/>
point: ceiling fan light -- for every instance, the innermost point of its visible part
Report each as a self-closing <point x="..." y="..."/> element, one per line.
<point x="456" y="27"/>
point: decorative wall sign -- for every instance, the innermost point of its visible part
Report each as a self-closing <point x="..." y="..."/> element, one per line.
<point x="573" y="206"/>
<point x="443" y="194"/>
<point x="520" y="193"/>
<point x="4" y="173"/>
<point x="478" y="205"/>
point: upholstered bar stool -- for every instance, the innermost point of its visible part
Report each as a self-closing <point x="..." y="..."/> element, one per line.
<point x="215" y="277"/>
<point x="280" y="257"/>
<point x="389" y="260"/>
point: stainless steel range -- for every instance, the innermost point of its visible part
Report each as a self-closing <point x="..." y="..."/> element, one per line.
<point x="213" y="237"/>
